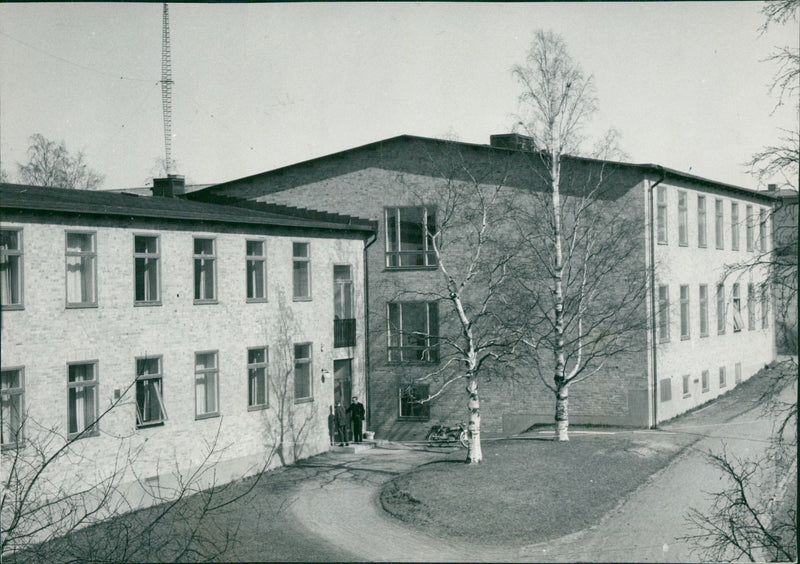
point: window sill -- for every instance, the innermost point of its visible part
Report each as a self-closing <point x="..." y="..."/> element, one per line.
<point x="699" y="246"/>
<point x="301" y="299"/>
<point x="687" y="396"/>
<point x="147" y="304"/>
<point x="662" y="341"/>
<point x="12" y="307"/>
<point x="82" y="305"/>
<point x="720" y="248"/>
<point x="685" y="337"/>
<point x="402" y="268"/>
<point x="260" y="407"/>
<point x="683" y="244"/>
<point x="198" y="417"/>
<point x="81" y="435"/>
<point x="703" y="335"/>
<point x="205" y="302"/>
<point x="12" y="446"/>
<point x="705" y="391"/>
<point x="303" y="400"/>
<point x="720" y="332"/>
<point x="256" y="300"/>
<point x="150" y="425"/>
<point x="663" y="243"/>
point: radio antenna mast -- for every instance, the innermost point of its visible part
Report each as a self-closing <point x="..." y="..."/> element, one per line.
<point x="166" y="91"/>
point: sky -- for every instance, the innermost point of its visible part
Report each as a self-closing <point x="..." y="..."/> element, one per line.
<point x="260" y="86"/>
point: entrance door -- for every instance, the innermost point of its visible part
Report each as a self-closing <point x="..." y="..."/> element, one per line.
<point x="342" y="381"/>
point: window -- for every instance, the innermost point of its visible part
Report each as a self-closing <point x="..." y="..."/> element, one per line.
<point x="205" y="266"/>
<point x="751" y="307"/>
<point x="737" y="373"/>
<point x="256" y="271"/>
<point x="734" y="226"/>
<point x="701" y="221"/>
<point x="344" y="323"/>
<point x="11" y="268"/>
<point x="665" y="385"/>
<point x="12" y="407"/>
<point x="409" y="241"/>
<point x="302" y="372"/>
<point x="410" y="405"/>
<point x="722" y="377"/>
<point x="737" y="309"/>
<point x="145" y="266"/>
<point x="683" y="219"/>
<point x="81" y="270"/>
<point x="257" y="392"/>
<point x="661" y="219"/>
<point x="764" y="305"/>
<point x="719" y="231"/>
<point x="150" y="408"/>
<point x="762" y="230"/>
<point x="206" y="385"/>
<point x="81" y="399"/>
<point x="685" y="321"/>
<point x="301" y="271"/>
<point x="663" y="313"/>
<point x="686" y="390"/>
<point x="749" y="227"/>
<point x="703" y="310"/>
<point x="413" y="331"/>
<point x="704" y="380"/>
<point x="720" y="309"/>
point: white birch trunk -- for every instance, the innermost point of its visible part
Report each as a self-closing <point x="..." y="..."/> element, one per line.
<point x="474" y="455"/>
<point x="562" y="392"/>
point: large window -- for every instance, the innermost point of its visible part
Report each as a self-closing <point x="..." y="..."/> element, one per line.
<point x="720" y="309"/>
<point x="686" y="386"/>
<point x="11" y="268"/>
<point x="661" y="218"/>
<point x="81" y="399"/>
<point x="205" y="267"/>
<point x="413" y="331"/>
<point x="749" y="227"/>
<point x="81" y="270"/>
<point x="146" y="260"/>
<point x="344" y="323"/>
<point x="301" y="271"/>
<point x="701" y="221"/>
<point x="411" y="401"/>
<point x="409" y="241"/>
<point x="12" y="406"/>
<point x="206" y="385"/>
<point x="257" y="391"/>
<point x="302" y="372"/>
<point x="685" y="317"/>
<point x="683" y="219"/>
<point x="150" y="408"/>
<point x="734" y="226"/>
<point x="751" y="307"/>
<point x="736" y="298"/>
<point x="256" y="271"/>
<point x="663" y="313"/>
<point x="665" y="388"/>
<point x="765" y="305"/>
<point x="719" y="224"/>
<point x="723" y="380"/>
<point x="704" y="380"/>
<point x="703" y="310"/>
<point x="762" y="230"/>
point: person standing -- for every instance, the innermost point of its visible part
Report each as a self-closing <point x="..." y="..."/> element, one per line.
<point x="331" y="425"/>
<point x="341" y="423"/>
<point x="356" y="411"/>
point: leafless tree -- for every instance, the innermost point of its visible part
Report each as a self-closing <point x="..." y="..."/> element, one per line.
<point x="51" y="164"/>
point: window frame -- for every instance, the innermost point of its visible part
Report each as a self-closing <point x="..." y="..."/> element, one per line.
<point x="5" y="393"/>
<point x="306" y="361"/>
<point x="685" y="305"/>
<point x="719" y="223"/>
<point x="140" y="423"/>
<point x="749" y="228"/>
<point x="663" y="313"/>
<point x="737" y="373"/>
<point x="736" y="303"/>
<point x="262" y="258"/>
<point x="702" y="294"/>
<point x="722" y="317"/>
<point x="687" y="386"/>
<point x="765" y="304"/>
<point x="91" y="254"/>
<point x="704" y="381"/>
<point x="203" y="372"/>
<point x="93" y="429"/>
<point x="424" y="407"/>
<point x="734" y="226"/>
<point x="662" y="216"/>
<point x="152" y="256"/>
<point x="203" y="257"/>
<point x="702" y="222"/>
<point x="723" y="377"/>
<point x="19" y="252"/>
<point x="307" y="261"/>
<point x="762" y="230"/>
<point x="665" y="390"/>
<point x="431" y="350"/>
<point x="683" y="219"/>
<point x="254" y="366"/>
<point x="751" y="306"/>
<point x="429" y="259"/>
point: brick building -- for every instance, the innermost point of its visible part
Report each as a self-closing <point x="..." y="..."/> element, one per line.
<point x="715" y="329"/>
<point x="158" y="330"/>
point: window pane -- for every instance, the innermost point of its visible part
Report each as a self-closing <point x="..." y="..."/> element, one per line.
<point x="255" y="248"/>
<point x="734" y="226"/>
<point x="302" y="351"/>
<point x="203" y="279"/>
<point x="204" y="246"/>
<point x="10" y="277"/>
<point x="257" y="389"/>
<point x="300" y="250"/>
<point x="80" y="279"/>
<point x="255" y="279"/>
<point x="11" y="407"/>
<point x="205" y="361"/>
<point x="301" y="279"/>
<point x="145" y="245"/>
<point x="392" y="242"/>
<point x="81" y="400"/>
<point x="255" y="356"/>
<point x="79" y="242"/>
<point x="148" y="400"/>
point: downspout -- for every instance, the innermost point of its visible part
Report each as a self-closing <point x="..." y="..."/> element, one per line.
<point x="366" y="332"/>
<point x="653" y="325"/>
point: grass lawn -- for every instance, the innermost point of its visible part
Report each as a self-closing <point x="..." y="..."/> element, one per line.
<point x="533" y="489"/>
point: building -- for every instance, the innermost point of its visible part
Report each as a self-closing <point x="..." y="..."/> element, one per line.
<point x="706" y="328"/>
<point x="784" y="228"/>
<point x="167" y="335"/>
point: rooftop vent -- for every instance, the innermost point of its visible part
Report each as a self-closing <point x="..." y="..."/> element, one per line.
<point x="772" y="187"/>
<point x="170" y="187"/>
<point x="512" y="141"/>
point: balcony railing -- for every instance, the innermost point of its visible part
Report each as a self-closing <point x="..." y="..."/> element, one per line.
<point x="344" y="333"/>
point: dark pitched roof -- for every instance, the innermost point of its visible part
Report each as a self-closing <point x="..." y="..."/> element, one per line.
<point x="221" y="210"/>
<point x="380" y="153"/>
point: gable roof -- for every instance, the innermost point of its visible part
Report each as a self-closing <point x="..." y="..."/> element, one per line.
<point x="222" y="210"/>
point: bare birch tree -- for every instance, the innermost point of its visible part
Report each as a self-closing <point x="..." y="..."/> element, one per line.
<point x="51" y="164"/>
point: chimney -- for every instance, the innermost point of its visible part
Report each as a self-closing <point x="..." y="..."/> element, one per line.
<point x="170" y="187"/>
<point x="772" y="187"/>
<point x="512" y="141"/>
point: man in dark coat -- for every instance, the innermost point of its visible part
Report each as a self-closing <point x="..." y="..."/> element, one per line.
<point x="341" y="423"/>
<point x="356" y="411"/>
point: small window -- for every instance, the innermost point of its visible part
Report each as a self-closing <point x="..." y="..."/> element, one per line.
<point x="12" y="407"/>
<point x="206" y="380"/>
<point x="737" y="373"/>
<point x="256" y="271"/>
<point x="719" y="224"/>
<point x="663" y="313"/>
<point x="205" y="270"/>
<point x="704" y="380"/>
<point x="765" y="305"/>
<point x="150" y="408"/>
<point x="412" y="405"/>
<point x="721" y="321"/>
<point x="749" y="227"/>
<point x="661" y="218"/>
<point x="685" y="318"/>
<point x="734" y="226"/>
<point x="344" y="323"/>
<point x="738" y="324"/>
<point x="82" y="399"/>
<point x="665" y="386"/>
<point x="683" y="219"/>
<point x="762" y="230"/>
<point x="722" y="378"/>
<point x="703" y="291"/>
<point x="301" y="271"/>
<point x="146" y="258"/>
<point x="413" y="331"/>
<point x="686" y="383"/>
<point x="701" y="221"/>
<point x="81" y="270"/>
<point x="409" y="237"/>
<point x="751" y="307"/>
<point x="11" y="268"/>
<point x="257" y="391"/>
<point x="302" y="372"/>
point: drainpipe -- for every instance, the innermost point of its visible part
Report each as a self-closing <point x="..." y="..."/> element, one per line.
<point x="653" y="328"/>
<point x="366" y="332"/>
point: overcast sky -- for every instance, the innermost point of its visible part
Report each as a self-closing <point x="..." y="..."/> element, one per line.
<point x="258" y="86"/>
